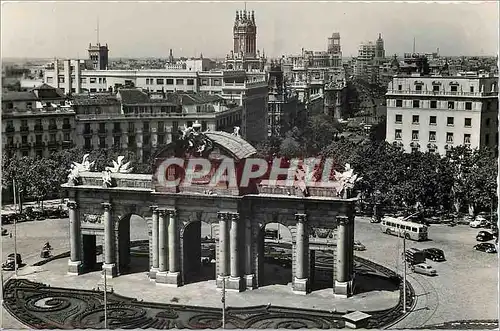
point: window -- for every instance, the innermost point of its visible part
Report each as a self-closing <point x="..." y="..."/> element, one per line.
<point x="131" y="141"/>
<point x="414" y="135"/>
<point x="52" y="138"/>
<point x="190" y="81"/>
<point x="398" y="134"/>
<point x="399" y="103"/>
<point x="450" y="121"/>
<point x="468" y="106"/>
<point x="161" y="126"/>
<point x="203" y="125"/>
<point x="116" y="141"/>
<point x="432" y="120"/>
<point x="216" y="82"/>
<point x="487" y="139"/>
<point x="432" y="135"/>
<point x="416" y="103"/>
<point x="24" y="139"/>
<point x="102" y="142"/>
<point x="88" y="143"/>
<point x="451" y="105"/>
<point x="170" y="82"/>
<point x="488" y="121"/>
<point x="49" y="80"/>
<point x="467" y="139"/>
<point x="449" y="137"/>
<point x="66" y="136"/>
<point x="146" y="140"/>
<point x="161" y="139"/>
<point x="472" y="89"/>
<point x="435" y="88"/>
<point x="454" y="88"/>
<point x="92" y="80"/>
<point x="468" y="122"/>
<point x="159" y="81"/>
<point x="418" y="87"/>
<point x="400" y="87"/>
<point x="38" y="139"/>
<point x="433" y="104"/>
<point x="179" y="82"/>
<point x="145" y="126"/>
<point x="399" y="118"/>
<point x="131" y="127"/>
<point x="415" y="119"/>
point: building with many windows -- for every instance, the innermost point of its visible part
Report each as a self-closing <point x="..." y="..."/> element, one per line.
<point x="435" y="113"/>
<point x="36" y="122"/>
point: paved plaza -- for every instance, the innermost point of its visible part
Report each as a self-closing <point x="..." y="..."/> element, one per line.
<point x="438" y="299"/>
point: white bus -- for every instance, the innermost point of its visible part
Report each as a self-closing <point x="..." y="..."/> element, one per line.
<point x="399" y="226"/>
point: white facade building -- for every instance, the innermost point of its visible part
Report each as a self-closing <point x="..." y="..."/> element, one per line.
<point x="435" y="113"/>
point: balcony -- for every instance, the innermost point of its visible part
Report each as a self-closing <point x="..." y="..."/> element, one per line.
<point x="24" y="129"/>
<point x="39" y="144"/>
<point x="67" y="144"/>
<point x="53" y="127"/>
<point x="102" y="132"/>
<point x="88" y="132"/>
<point x="66" y="127"/>
<point x="117" y="131"/>
<point x="25" y="145"/>
<point x="53" y="144"/>
<point x="10" y="129"/>
<point x="38" y="128"/>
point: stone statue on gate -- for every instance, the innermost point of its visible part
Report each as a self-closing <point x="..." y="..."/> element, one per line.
<point x="119" y="166"/>
<point x="76" y="168"/>
<point x="193" y="141"/>
<point x="344" y="181"/>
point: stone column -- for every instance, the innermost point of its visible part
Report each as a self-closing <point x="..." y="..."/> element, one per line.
<point x="235" y="280"/>
<point x="223" y="258"/>
<point x="109" y="241"/>
<point x="301" y="281"/>
<point x="154" y="243"/>
<point x="75" y="261"/>
<point x="249" y="274"/>
<point x="342" y="284"/>
<point x="174" y="275"/>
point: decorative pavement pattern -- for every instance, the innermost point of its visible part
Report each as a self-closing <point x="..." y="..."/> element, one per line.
<point x="40" y="306"/>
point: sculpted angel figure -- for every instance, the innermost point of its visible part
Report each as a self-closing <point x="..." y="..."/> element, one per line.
<point x="346" y="179"/>
<point x="236" y="131"/>
<point x="106" y="178"/>
<point x="120" y="166"/>
<point x="76" y="168"/>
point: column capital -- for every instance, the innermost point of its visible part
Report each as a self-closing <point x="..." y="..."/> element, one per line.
<point x="72" y="205"/>
<point x="223" y="216"/>
<point x="154" y="209"/>
<point x="301" y="217"/>
<point x="343" y="220"/>
<point x="167" y="211"/>
<point x="106" y="206"/>
<point x="234" y="216"/>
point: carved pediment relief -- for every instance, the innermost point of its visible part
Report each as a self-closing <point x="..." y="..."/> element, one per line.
<point x="92" y="218"/>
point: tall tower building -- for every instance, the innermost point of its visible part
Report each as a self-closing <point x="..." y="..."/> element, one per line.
<point x="379" y="47"/>
<point x="98" y="54"/>
<point x="245" y="34"/>
<point x="334" y="43"/>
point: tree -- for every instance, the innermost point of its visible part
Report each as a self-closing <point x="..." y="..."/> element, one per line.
<point x="290" y="148"/>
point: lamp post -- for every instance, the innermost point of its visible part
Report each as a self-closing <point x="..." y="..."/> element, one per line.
<point x="15" y="229"/>
<point x="404" y="272"/>
<point x="223" y="300"/>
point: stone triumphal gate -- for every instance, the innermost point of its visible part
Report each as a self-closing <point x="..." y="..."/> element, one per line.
<point x="101" y="205"/>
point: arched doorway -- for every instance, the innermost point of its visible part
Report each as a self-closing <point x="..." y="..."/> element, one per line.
<point x="275" y="255"/>
<point x="133" y="245"/>
<point x="198" y="252"/>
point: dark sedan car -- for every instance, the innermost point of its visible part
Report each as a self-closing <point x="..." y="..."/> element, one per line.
<point x="486" y="247"/>
<point x="484" y="236"/>
<point x="434" y="254"/>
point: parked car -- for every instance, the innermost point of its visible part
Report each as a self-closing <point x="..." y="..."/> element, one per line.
<point x="424" y="269"/>
<point x="434" y="254"/>
<point x="358" y="246"/>
<point x="9" y="264"/>
<point x="4" y="232"/>
<point x="475" y="223"/>
<point x="484" y="236"/>
<point x="486" y="247"/>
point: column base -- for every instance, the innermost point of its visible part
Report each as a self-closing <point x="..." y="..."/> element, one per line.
<point x="172" y="279"/>
<point x="152" y="273"/>
<point x="250" y="282"/>
<point x="75" y="268"/>
<point x="234" y="284"/>
<point x="301" y="286"/>
<point x="111" y="271"/>
<point x="342" y="289"/>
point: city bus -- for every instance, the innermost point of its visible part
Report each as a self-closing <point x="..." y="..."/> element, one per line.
<point x="400" y="227"/>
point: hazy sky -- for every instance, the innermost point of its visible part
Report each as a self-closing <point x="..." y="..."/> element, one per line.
<point x="142" y="29"/>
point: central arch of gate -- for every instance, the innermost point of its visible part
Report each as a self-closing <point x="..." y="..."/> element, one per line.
<point x="319" y="221"/>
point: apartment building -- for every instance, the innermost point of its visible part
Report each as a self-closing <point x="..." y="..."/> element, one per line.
<point x="141" y="122"/>
<point x="36" y="122"/>
<point x="435" y="113"/>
